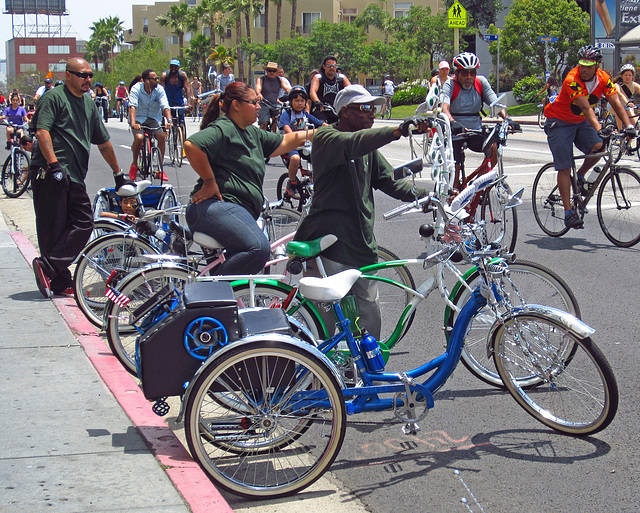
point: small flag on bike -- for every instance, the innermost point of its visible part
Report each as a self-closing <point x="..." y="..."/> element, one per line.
<point x="117" y="297"/>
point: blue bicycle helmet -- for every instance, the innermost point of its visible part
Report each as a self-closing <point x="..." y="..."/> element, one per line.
<point x="298" y="91"/>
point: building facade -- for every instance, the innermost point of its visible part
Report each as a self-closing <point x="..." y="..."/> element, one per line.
<point x="39" y="55"/>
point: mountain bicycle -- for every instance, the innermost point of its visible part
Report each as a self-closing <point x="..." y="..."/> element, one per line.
<point x="15" y="171"/>
<point x="150" y="165"/>
<point x="617" y="202"/>
<point x="265" y="416"/>
<point x="175" y="138"/>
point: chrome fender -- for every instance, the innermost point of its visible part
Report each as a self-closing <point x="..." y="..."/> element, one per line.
<point x="264" y="337"/>
<point x="574" y="325"/>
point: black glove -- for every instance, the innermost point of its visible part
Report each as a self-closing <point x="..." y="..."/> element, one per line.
<point x="122" y="180"/>
<point x="456" y="128"/>
<point x="57" y="171"/>
<point x="605" y="131"/>
<point x="318" y="105"/>
<point x="630" y="131"/>
<point x="405" y="126"/>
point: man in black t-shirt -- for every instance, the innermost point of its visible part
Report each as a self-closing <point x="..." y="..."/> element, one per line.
<point x="267" y="89"/>
<point x="325" y="86"/>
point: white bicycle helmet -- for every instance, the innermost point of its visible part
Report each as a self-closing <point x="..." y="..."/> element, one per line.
<point x="466" y="60"/>
<point x="627" y="67"/>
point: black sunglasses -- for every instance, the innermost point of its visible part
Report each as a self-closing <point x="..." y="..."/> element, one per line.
<point x="252" y="102"/>
<point x="82" y="74"/>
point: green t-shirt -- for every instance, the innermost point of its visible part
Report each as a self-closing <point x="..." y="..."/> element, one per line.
<point x="343" y="195"/>
<point x="237" y="158"/>
<point x="74" y="124"/>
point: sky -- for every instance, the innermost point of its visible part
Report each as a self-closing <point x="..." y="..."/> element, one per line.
<point x="82" y="14"/>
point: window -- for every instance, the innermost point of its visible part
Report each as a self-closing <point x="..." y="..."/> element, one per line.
<point x="206" y="31"/>
<point x="307" y="20"/>
<point x="259" y="21"/>
<point x="401" y="9"/>
<point x="55" y="49"/>
<point x="188" y="36"/>
<point x="227" y="34"/>
<point x="81" y="47"/>
<point x="27" y="49"/>
<point x="145" y="25"/>
<point x="191" y="2"/>
<point x="349" y="15"/>
<point x="27" y="67"/>
<point x="57" y="66"/>
<point x="171" y="40"/>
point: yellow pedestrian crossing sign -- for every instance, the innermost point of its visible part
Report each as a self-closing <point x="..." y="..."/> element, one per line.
<point x="457" y="16"/>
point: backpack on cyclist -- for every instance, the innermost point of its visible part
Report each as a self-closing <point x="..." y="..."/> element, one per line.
<point x="456" y="88"/>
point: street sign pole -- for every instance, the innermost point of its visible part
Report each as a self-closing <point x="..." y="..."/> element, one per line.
<point x="546" y="40"/>
<point x="498" y="69"/>
<point x="457" y="15"/>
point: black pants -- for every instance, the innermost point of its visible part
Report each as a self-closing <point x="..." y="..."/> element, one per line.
<point x="64" y="222"/>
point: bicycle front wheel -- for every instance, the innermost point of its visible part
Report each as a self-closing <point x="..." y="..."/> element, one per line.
<point x="281" y="191"/>
<point x="138" y="287"/>
<point x="265" y="419"/>
<point x="547" y="202"/>
<point x="578" y="399"/>
<point x="171" y="146"/>
<point x="156" y="165"/>
<point x="278" y="223"/>
<point x="179" y="146"/>
<point x="526" y="283"/>
<point x="501" y="223"/>
<point x="117" y="252"/>
<point x="618" y="207"/>
<point x="15" y="174"/>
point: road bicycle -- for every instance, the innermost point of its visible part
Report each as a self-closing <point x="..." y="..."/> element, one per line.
<point x="617" y="202"/>
<point x="436" y="150"/>
<point x="386" y="108"/>
<point x="100" y="102"/>
<point x="122" y="108"/>
<point x="15" y="171"/>
<point x="265" y="416"/>
<point x="177" y="135"/>
<point x="150" y="165"/>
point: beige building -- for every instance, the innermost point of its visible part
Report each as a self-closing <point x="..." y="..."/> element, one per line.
<point x="308" y="11"/>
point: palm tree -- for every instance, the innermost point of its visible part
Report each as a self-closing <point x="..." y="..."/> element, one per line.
<point x="211" y="13"/>
<point x="294" y="13"/>
<point x="106" y="33"/>
<point x="266" y="22"/>
<point x="278" y="17"/>
<point x="220" y="56"/>
<point x="199" y="47"/>
<point x="180" y="19"/>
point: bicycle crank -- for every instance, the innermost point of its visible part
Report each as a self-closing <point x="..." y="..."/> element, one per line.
<point x="411" y="406"/>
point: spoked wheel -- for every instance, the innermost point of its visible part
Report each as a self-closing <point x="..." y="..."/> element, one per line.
<point x="15" y="174"/>
<point x="547" y="202"/>
<point x="280" y="223"/>
<point x="179" y="146"/>
<point x="526" y="283"/>
<point x="618" y="207"/>
<point x="580" y="398"/>
<point x="296" y="201"/>
<point x="618" y="147"/>
<point x="265" y="419"/>
<point x="387" y="112"/>
<point x="542" y="119"/>
<point x="171" y="146"/>
<point x="156" y="165"/>
<point x="501" y="222"/>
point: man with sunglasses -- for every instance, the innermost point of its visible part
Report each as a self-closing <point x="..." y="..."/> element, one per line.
<point x="67" y="123"/>
<point x="147" y="104"/>
<point x="462" y="99"/>
<point x="325" y="86"/>
<point x="267" y="89"/>
<point x="343" y="192"/>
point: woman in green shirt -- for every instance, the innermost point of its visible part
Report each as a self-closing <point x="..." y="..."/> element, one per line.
<point x="229" y="156"/>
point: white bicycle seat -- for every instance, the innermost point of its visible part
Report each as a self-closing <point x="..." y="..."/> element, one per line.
<point x="206" y="241"/>
<point x="129" y="190"/>
<point x="332" y="288"/>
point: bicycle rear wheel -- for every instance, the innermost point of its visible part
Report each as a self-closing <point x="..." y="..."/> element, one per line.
<point x="15" y="174"/>
<point x="501" y="223"/>
<point x="618" y="207"/>
<point x="547" y="202"/>
<point x="117" y="252"/>
<point x="265" y="419"/>
<point x="578" y="399"/>
<point x="387" y="112"/>
<point x="542" y="119"/>
<point x="527" y="283"/>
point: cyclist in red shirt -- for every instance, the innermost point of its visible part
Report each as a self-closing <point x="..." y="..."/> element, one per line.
<point x="122" y="93"/>
<point x="571" y="119"/>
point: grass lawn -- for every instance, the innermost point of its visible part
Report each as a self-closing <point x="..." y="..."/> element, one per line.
<point x="527" y="109"/>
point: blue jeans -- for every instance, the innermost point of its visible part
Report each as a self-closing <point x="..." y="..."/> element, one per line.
<point x="247" y="248"/>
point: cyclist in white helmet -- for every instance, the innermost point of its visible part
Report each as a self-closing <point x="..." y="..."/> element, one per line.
<point x="629" y="91"/>
<point x="462" y="100"/>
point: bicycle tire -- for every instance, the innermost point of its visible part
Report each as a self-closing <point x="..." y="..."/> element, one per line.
<point x="171" y="145"/>
<point x="577" y="399"/>
<point x="156" y="165"/>
<point x="501" y="224"/>
<point x="282" y="194"/>
<point x="387" y="111"/>
<point x="138" y="287"/>
<point x="392" y="299"/>
<point x="547" y="202"/>
<point x="15" y="174"/>
<point x="179" y="146"/>
<point x="536" y="284"/>
<point x="144" y="159"/>
<point x="279" y="222"/>
<point x="617" y="146"/>
<point x="113" y="252"/>
<point x="105" y="226"/>
<point x="121" y="111"/>
<point x="618" y="207"/>
<point x="278" y="472"/>
<point x="542" y="119"/>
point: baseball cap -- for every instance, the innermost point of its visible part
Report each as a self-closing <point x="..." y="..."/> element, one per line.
<point x="48" y="81"/>
<point x="355" y="94"/>
<point x="174" y="62"/>
<point x="587" y="62"/>
<point x="443" y="64"/>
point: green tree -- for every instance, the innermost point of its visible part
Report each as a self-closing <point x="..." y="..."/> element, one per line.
<point x="221" y="55"/>
<point x="196" y="54"/>
<point x="179" y="19"/>
<point x="211" y="14"/>
<point x="373" y="15"/>
<point x="106" y="33"/>
<point x="527" y="21"/>
<point x="343" y="40"/>
<point x="379" y="58"/>
<point x="480" y="13"/>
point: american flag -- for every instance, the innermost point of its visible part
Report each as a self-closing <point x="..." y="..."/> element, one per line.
<point x="117" y="297"/>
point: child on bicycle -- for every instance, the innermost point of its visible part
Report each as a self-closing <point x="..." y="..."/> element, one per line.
<point x="293" y="119"/>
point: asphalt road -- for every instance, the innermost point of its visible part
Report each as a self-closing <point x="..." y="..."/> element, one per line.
<point x="478" y="451"/>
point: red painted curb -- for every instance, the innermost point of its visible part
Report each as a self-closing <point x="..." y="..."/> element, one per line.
<point x="191" y="482"/>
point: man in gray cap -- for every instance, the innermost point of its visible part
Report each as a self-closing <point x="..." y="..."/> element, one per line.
<point x="347" y="167"/>
<point x="48" y="84"/>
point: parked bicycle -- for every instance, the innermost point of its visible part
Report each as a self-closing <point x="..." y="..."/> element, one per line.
<point x="15" y="171"/>
<point x="617" y="202"/>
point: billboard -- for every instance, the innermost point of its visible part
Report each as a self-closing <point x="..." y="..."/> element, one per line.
<point x="613" y="19"/>
<point x="55" y="7"/>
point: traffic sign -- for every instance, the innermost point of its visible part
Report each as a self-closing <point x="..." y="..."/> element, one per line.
<point x="457" y="16"/>
<point x="547" y="39"/>
<point x="605" y="45"/>
<point x="490" y="37"/>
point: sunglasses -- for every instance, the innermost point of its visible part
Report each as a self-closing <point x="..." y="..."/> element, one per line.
<point x="252" y="102"/>
<point x="331" y="65"/>
<point x="365" y="107"/>
<point x="154" y="78"/>
<point x="82" y="74"/>
<point x="271" y="70"/>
